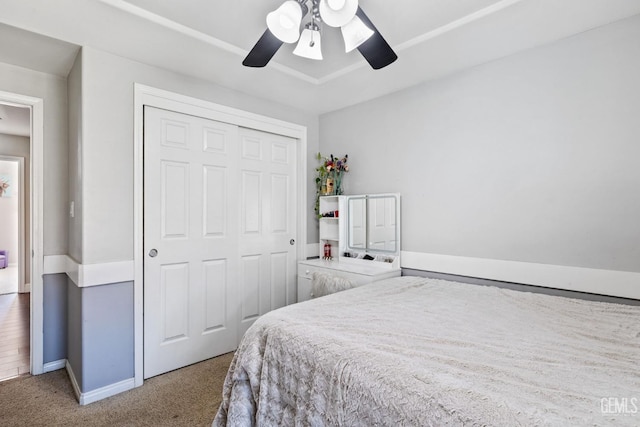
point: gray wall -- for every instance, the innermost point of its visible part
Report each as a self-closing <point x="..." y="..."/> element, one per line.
<point x="74" y="331"/>
<point x="55" y="317"/>
<point x="14" y="145"/>
<point x="530" y="158"/>
<point x="74" y="87"/>
<point x="9" y="209"/>
<point x="107" y="335"/>
<point x="99" y="333"/>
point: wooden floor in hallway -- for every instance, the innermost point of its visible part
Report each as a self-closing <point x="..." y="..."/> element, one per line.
<point x="14" y="335"/>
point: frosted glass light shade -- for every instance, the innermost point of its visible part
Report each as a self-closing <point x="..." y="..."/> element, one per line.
<point x="309" y="45"/>
<point x="336" y="13"/>
<point x="355" y="33"/>
<point x="336" y="4"/>
<point x="284" y="22"/>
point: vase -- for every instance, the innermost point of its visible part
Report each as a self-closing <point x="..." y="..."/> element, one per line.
<point x="338" y="190"/>
<point x="329" y="187"/>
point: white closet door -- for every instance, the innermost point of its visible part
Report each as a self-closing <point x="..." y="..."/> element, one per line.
<point x="220" y="220"/>
<point x="190" y="239"/>
<point x="267" y="223"/>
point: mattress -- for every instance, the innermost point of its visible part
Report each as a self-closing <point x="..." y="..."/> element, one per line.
<point x="417" y="351"/>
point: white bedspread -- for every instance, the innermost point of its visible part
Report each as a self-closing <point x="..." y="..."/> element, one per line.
<point x="414" y="351"/>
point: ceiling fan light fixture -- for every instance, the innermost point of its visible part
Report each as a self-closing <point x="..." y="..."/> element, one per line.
<point x="336" y="13"/>
<point x="284" y="22"/>
<point x="310" y="43"/>
<point x="283" y="26"/>
<point x="354" y="33"/>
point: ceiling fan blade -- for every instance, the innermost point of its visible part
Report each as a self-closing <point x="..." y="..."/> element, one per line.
<point x="376" y="50"/>
<point x="263" y="51"/>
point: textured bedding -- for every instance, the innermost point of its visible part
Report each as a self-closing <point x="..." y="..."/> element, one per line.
<point x="415" y="351"/>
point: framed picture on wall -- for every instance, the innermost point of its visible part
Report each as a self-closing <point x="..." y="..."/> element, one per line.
<point x="6" y="186"/>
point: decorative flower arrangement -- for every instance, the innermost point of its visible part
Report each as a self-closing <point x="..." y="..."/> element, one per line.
<point x="329" y="179"/>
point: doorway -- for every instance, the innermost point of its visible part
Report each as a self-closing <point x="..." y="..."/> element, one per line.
<point x="15" y="146"/>
<point x="22" y="141"/>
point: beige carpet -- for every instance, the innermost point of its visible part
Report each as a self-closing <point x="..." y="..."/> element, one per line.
<point x="186" y="397"/>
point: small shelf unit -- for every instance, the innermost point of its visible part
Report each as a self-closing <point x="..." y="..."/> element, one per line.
<point x="331" y="229"/>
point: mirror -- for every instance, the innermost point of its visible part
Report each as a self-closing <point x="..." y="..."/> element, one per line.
<point x="373" y="223"/>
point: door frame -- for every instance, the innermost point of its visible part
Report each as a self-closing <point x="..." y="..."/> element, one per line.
<point x="159" y="98"/>
<point x="36" y="170"/>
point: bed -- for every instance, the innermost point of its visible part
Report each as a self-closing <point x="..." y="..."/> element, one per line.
<point x="418" y="351"/>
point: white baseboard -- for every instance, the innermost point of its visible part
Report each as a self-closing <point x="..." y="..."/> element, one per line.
<point x="107" y="391"/>
<point x="623" y="284"/>
<point x="100" y="393"/>
<point x="54" y="366"/>
<point x="74" y="382"/>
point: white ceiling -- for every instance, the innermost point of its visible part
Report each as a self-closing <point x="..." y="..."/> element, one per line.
<point x="208" y="39"/>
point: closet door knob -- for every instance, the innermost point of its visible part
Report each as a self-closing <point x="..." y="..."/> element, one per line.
<point x="153" y="253"/>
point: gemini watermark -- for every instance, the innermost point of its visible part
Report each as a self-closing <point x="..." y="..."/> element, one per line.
<point x="620" y="405"/>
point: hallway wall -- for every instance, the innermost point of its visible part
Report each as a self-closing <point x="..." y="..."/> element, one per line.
<point x="9" y="206"/>
<point x="19" y="146"/>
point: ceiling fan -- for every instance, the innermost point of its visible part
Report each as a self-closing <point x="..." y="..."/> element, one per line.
<point x="283" y="26"/>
